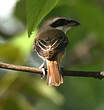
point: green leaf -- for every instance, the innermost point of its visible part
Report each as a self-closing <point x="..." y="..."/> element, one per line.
<point x="36" y="11"/>
<point x="20" y="11"/>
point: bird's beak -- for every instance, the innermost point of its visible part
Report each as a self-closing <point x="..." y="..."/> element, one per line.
<point x="73" y="23"/>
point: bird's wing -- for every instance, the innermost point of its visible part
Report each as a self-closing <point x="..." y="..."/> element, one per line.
<point x="48" y="45"/>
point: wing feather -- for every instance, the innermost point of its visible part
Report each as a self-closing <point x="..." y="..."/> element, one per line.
<point x="49" y="45"/>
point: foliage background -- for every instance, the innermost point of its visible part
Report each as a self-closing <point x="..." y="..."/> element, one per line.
<point x="26" y="91"/>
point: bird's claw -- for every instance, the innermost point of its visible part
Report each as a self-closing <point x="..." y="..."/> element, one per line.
<point x="43" y="71"/>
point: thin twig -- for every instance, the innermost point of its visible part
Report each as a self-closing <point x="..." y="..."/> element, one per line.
<point x="20" y="68"/>
<point x="99" y="75"/>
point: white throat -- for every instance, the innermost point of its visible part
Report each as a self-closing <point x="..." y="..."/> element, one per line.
<point x="63" y="28"/>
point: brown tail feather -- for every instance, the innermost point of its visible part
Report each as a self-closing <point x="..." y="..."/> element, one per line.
<point x="53" y="76"/>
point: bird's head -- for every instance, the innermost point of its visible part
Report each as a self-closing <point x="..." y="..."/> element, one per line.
<point x="61" y="23"/>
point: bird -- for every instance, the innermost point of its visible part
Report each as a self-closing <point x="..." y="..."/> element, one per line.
<point x="50" y="44"/>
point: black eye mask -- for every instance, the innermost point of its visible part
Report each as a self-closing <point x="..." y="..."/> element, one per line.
<point x="60" y="22"/>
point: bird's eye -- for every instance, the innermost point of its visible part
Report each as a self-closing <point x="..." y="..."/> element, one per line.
<point x="60" y="22"/>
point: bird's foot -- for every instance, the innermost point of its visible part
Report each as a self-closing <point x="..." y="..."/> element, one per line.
<point x="43" y="70"/>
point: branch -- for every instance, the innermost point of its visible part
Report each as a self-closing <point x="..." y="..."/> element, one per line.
<point x="20" y="68"/>
<point x="99" y="75"/>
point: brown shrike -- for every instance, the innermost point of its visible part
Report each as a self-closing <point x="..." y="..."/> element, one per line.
<point x="50" y="44"/>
